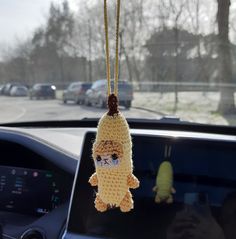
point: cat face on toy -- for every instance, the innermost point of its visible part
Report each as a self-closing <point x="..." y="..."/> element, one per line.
<point x="107" y="154"/>
<point x="107" y="161"/>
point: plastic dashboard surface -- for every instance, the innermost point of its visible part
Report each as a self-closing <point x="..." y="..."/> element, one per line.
<point x="36" y="178"/>
<point x="202" y="163"/>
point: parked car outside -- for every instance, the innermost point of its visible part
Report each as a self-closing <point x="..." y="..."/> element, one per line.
<point x="19" y="91"/>
<point x="76" y="92"/>
<point x="97" y="94"/>
<point x="7" y="88"/>
<point x="1" y="89"/>
<point x="42" y="91"/>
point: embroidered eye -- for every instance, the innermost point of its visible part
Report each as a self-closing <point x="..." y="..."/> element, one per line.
<point x="98" y="158"/>
<point x="114" y="157"/>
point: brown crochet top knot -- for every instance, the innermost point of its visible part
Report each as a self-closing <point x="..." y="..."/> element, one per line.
<point x="112" y="105"/>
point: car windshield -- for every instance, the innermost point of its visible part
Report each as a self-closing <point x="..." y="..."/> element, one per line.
<point x="177" y="57"/>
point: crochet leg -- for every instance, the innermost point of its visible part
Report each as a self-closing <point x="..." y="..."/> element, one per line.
<point x="170" y="199"/>
<point x="127" y="203"/>
<point x="157" y="199"/>
<point x="99" y="204"/>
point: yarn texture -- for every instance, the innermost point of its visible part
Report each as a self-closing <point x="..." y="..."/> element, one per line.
<point x="112" y="154"/>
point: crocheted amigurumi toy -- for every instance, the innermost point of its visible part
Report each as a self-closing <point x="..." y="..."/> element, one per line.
<point x="112" y="154"/>
<point x="164" y="182"/>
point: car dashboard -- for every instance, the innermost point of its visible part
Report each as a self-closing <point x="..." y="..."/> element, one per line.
<point x="36" y="179"/>
<point x="44" y="190"/>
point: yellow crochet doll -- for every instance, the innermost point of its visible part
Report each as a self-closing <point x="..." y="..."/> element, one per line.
<point x="112" y="154"/>
<point x="164" y="182"/>
<point x="112" y="149"/>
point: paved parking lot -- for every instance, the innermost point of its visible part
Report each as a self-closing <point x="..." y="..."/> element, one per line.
<point x="19" y="109"/>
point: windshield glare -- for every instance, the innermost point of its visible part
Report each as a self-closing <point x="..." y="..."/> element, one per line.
<point x="177" y="58"/>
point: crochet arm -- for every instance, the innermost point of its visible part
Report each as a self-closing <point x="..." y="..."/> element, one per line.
<point x="155" y="189"/>
<point x="93" y="180"/>
<point x="133" y="181"/>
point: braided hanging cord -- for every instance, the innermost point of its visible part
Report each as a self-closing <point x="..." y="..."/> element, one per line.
<point x="116" y="77"/>
<point x="112" y="97"/>
<point x="108" y="67"/>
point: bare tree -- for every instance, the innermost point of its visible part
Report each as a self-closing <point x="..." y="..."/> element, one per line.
<point x="176" y="10"/>
<point x="226" y="104"/>
<point x="136" y="26"/>
<point x="194" y="16"/>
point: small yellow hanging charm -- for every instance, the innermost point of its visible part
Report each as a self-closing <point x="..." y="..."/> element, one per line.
<point x="164" y="181"/>
<point x="112" y="149"/>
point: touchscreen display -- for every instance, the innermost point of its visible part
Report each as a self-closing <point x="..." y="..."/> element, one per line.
<point x="194" y="172"/>
<point x="27" y="191"/>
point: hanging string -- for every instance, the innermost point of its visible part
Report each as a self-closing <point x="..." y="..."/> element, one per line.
<point x="116" y="77"/>
<point x="107" y="49"/>
<point x="116" y="72"/>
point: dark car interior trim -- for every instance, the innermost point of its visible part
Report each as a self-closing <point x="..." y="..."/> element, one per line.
<point x="134" y="124"/>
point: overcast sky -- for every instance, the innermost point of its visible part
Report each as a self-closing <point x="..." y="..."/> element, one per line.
<point x="18" y="18"/>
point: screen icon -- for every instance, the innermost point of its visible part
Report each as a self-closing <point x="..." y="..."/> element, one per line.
<point x="13" y="171"/>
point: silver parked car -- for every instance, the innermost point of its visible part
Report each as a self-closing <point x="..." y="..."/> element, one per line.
<point x="97" y="94"/>
<point x="1" y="89"/>
<point x="19" y="91"/>
<point x="76" y="92"/>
